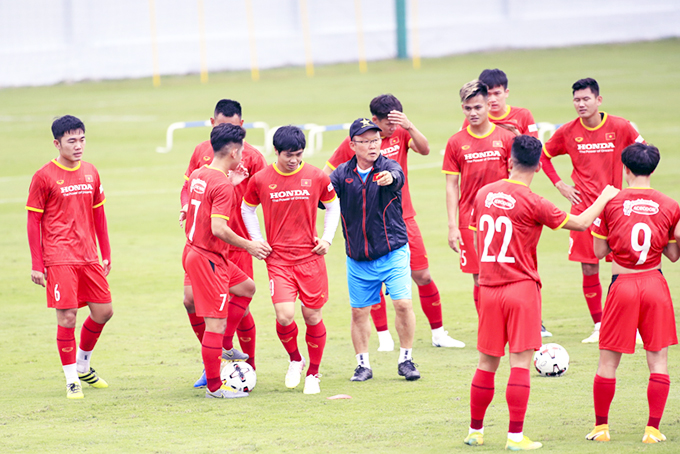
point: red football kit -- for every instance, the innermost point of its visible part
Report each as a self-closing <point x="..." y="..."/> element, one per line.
<point x="638" y="224"/>
<point x="518" y="117"/>
<point x="395" y="147"/>
<point x="479" y="160"/>
<point x="596" y="159"/>
<point x="289" y="206"/>
<point x="508" y="219"/>
<point x="205" y="256"/>
<point x="66" y="198"/>
<point x="252" y="161"/>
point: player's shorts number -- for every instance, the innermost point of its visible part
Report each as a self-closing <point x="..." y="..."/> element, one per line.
<point x="463" y="259"/>
<point x="224" y="300"/>
<point x="196" y="203"/>
<point x="642" y="248"/>
<point x="491" y="228"/>
<point x="57" y="295"/>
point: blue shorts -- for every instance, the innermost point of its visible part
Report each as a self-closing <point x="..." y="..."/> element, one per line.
<point x="365" y="279"/>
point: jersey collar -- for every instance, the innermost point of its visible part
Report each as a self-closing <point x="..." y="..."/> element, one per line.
<point x="514" y="182"/>
<point x="61" y="166"/>
<point x="215" y="168"/>
<point x="493" y="128"/>
<point x="604" y="119"/>
<point x="507" y="112"/>
<point x="291" y="173"/>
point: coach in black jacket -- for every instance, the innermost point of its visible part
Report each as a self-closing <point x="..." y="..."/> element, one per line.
<point x="369" y="187"/>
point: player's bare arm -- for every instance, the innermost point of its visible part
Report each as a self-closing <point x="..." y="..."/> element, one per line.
<point x="38" y="277"/>
<point x="568" y="192"/>
<point x="601" y="248"/>
<point x="327" y="170"/>
<point x="672" y="251"/>
<point x="510" y="128"/>
<point x="183" y="215"/>
<point x="452" y="199"/>
<point x="584" y="220"/>
<point x="258" y="249"/>
<point x="419" y="142"/>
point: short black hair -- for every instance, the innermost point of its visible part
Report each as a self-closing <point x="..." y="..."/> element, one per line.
<point x="641" y="158"/>
<point x="473" y="88"/>
<point x="526" y="151"/>
<point x="384" y="104"/>
<point x="67" y="123"/>
<point x="588" y="82"/>
<point x="225" y="134"/>
<point x="228" y="108"/>
<point x="289" y="138"/>
<point x="494" y="78"/>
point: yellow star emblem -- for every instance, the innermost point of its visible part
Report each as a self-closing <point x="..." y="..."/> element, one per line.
<point x="365" y="122"/>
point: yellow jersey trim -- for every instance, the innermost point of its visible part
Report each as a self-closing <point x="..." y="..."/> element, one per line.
<point x="186" y="177"/>
<point x="37" y="210"/>
<point x="408" y="145"/>
<point x="515" y="182"/>
<point x="328" y="163"/>
<point x="62" y="166"/>
<point x="672" y="241"/>
<point x="99" y="204"/>
<point x="472" y="228"/>
<point x="215" y="168"/>
<point x="219" y="216"/>
<point x="328" y="201"/>
<point x="635" y="187"/>
<point x="596" y="235"/>
<point x="563" y="222"/>
<point x="469" y="130"/>
<point x="545" y="151"/>
<point x="291" y="173"/>
<point x="604" y="119"/>
<point x="249" y="204"/>
<point x="448" y="172"/>
<point x="507" y="112"/>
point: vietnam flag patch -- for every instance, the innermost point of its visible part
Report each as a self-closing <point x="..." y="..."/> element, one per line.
<point x="610" y="136"/>
<point x="306" y="183"/>
<point x="497" y="143"/>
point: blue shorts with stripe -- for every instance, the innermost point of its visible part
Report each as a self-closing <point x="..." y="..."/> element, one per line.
<point x="365" y="278"/>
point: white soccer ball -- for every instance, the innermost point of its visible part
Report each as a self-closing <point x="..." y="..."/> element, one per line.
<point x="239" y="375"/>
<point x="551" y="360"/>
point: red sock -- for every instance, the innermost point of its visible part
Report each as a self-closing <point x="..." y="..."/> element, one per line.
<point x="517" y="396"/>
<point x="66" y="343"/>
<point x="592" y="290"/>
<point x="212" y="354"/>
<point x="198" y="325"/>
<point x="316" y="342"/>
<point x="603" y="394"/>
<point x="89" y="334"/>
<point x="246" y="337"/>
<point x="288" y="336"/>
<point x="431" y="304"/>
<point x="657" y="393"/>
<point x="237" y="307"/>
<point x="481" y="395"/>
<point x="475" y="296"/>
<point x="379" y="314"/>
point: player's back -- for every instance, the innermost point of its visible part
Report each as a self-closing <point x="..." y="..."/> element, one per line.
<point x="211" y="195"/>
<point x="638" y="224"/>
<point x="509" y="218"/>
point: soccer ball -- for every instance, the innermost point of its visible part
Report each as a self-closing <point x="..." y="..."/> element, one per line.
<point x="551" y="360"/>
<point x="239" y="375"/>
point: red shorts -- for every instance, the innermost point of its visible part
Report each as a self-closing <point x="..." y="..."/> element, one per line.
<point x="509" y="314"/>
<point x="468" y="256"/>
<point x="638" y="301"/>
<point x="416" y="244"/>
<point x="581" y="247"/>
<point x="308" y="279"/>
<point x="73" y="286"/>
<point x="211" y="282"/>
<point x="238" y="257"/>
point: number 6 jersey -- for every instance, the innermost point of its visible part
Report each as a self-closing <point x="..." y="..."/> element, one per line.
<point x="638" y="224"/>
<point x="508" y="219"/>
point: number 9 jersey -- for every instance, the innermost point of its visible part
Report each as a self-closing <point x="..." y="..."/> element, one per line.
<point x="508" y="219"/>
<point x="638" y="224"/>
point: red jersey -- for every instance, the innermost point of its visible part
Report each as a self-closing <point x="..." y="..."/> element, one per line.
<point x="251" y="159"/>
<point x="508" y="219"/>
<point x="289" y="205"/>
<point x="211" y="195"/>
<point x="638" y="224"/>
<point x="518" y="117"/>
<point x="595" y="154"/>
<point x="394" y="147"/>
<point x="479" y="160"/>
<point x="66" y="198"/>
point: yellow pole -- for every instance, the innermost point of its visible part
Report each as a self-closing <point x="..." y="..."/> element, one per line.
<point x="363" y="67"/>
<point x="201" y="33"/>
<point x="308" y="42"/>
<point x="154" y="45"/>
<point x="416" y="37"/>
<point x="254" y="71"/>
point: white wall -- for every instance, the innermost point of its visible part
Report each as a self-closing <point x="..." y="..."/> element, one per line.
<point x="49" y="41"/>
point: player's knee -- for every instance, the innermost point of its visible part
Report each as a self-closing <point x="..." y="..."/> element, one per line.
<point x="403" y="306"/>
<point x="284" y="319"/>
<point x="189" y="302"/>
<point x="421" y="277"/>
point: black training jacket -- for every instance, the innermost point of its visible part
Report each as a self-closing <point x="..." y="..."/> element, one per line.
<point x="372" y="220"/>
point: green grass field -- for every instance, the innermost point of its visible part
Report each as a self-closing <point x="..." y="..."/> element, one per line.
<point x="149" y="354"/>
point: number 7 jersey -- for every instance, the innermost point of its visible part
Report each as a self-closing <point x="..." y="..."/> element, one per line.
<point x="508" y="219"/>
<point x="638" y="224"/>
